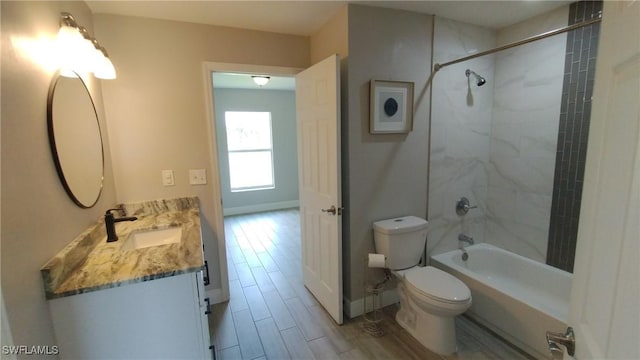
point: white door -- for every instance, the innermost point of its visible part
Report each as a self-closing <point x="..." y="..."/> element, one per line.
<point x="605" y="299"/>
<point x="318" y="121"/>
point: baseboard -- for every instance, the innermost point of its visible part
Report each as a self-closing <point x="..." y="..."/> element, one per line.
<point x="356" y="308"/>
<point x="216" y="296"/>
<point x="261" y="207"/>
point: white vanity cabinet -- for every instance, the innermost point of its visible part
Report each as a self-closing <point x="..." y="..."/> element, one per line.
<point x="164" y="318"/>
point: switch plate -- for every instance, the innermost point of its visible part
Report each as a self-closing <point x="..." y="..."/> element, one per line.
<point x="197" y="176"/>
<point x="167" y="178"/>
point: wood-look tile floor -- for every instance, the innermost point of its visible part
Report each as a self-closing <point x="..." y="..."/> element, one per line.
<point x="271" y="315"/>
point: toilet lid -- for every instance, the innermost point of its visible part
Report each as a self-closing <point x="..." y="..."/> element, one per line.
<point x="435" y="283"/>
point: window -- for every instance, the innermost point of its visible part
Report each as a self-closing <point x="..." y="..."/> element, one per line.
<point x="250" y="149"/>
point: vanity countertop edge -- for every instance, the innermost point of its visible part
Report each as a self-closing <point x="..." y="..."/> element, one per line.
<point x="89" y="263"/>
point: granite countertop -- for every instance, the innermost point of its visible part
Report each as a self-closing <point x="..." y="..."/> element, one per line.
<point x="90" y="263"/>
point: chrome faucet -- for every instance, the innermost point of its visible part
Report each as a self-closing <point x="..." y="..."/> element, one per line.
<point x="110" y="222"/>
<point x="465" y="238"/>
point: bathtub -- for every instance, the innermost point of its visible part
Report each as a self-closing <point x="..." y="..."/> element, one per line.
<point x="517" y="298"/>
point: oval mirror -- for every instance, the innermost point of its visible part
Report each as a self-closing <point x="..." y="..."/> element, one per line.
<point x="75" y="139"/>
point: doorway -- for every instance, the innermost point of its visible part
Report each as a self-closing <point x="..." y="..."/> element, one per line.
<point x="217" y="179"/>
<point x="256" y="135"/>
<point x="317" y="104"/>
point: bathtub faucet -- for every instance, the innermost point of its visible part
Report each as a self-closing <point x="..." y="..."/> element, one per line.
<point x="465" y="238"/>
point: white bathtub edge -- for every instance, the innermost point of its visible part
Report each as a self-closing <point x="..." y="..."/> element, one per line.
<point x="513" y="319"/>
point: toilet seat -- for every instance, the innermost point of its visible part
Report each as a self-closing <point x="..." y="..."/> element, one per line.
<point x="437" y="285"/>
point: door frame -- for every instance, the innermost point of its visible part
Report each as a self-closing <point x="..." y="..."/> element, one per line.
<point x="208" y="68"/>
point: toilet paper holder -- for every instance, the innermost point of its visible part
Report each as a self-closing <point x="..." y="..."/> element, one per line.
<point x="376" y="260"/>
<point x="372" y="309"/>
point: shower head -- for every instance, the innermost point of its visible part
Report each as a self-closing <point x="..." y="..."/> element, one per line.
<point x="479" y="79"/>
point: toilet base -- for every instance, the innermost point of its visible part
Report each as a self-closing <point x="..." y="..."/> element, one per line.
<point x="436" y="333"/>
<point x="435" y="329"/>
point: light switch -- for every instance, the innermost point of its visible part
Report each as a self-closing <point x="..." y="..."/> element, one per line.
<point x="167" y="178"/>
<point x="197" y="176"/>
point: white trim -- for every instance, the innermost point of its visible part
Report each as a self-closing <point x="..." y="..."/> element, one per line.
<point x="261" y="207"/>
<point x="216" y="296"/>
<point x="218" y="225"/>
<point x="356" y="308"/>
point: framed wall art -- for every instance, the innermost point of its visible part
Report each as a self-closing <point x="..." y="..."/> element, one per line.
<point x="391" y="107"/>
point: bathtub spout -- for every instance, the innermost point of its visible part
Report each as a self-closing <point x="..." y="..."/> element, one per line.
<point x="465" y="238"/>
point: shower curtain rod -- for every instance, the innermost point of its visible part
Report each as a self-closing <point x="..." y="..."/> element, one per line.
<point x="545" y="35"/>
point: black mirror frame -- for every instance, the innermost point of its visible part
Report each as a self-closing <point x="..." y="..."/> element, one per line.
<point x="52" y="142"/>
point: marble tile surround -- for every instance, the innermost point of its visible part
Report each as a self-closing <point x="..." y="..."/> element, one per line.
<point x="524" y="133"/>
<point x="495" y="144"/>
<point x="460" y="134"/>
<point x="89" y="263"/>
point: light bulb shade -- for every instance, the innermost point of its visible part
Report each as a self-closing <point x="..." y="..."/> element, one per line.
<point x="261" y="80"/>
<point x="87" y="56"/>
<point x="69" y="36"/>
<point x="76" y="53"/>
<point x="79" y="53"/>
<point x="68" y="42"/>
<point x="104" y="69"/>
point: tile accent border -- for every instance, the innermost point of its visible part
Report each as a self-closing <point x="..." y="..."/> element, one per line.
<point x="575" y="114"/>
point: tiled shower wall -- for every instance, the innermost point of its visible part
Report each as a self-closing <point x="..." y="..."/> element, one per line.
<point x="575" y="112"/>
<point x="496" y="144"/>
<point x="499" y="144"/>
<point x="460" y="134"/>
<point x="527" y="96"/>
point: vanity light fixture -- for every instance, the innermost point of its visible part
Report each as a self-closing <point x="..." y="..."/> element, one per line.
<point x="80" y="53"/>
<point x="260" y="80"/>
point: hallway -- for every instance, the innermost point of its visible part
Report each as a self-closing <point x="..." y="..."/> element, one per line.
<point x="271" y="315"/>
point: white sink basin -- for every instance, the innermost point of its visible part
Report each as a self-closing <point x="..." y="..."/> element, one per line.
<point x="155" y="237"/>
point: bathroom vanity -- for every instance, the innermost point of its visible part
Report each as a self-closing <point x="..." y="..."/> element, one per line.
<point x="142" y="296"/>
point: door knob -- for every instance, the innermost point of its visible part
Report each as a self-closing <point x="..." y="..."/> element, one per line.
<point x="568" y="340"/>
<point x="333" y="210"/>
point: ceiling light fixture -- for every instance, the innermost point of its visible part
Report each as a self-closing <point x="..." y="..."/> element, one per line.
<point x="260" y="80"/>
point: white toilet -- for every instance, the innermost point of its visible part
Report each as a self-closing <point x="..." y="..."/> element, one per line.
<point x="430" y="298"/>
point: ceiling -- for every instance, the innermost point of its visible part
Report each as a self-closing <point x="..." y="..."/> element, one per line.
<point x="307" y="17"/>
<point x="244" y="81"/>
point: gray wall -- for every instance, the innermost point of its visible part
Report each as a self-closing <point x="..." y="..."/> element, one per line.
<point x="38" y="218"/>
<point x="385" y="175"/>
<point x="282" y="105"/>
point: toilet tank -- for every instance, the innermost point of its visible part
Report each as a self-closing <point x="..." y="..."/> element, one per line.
<point x="401" y="240"/>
